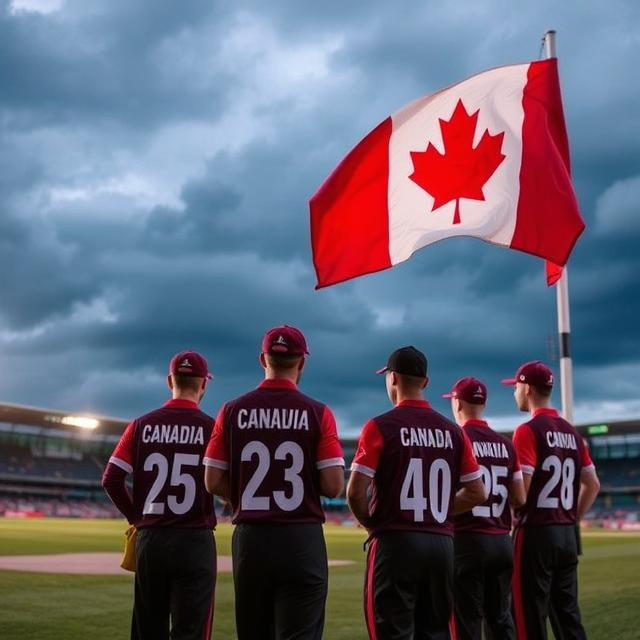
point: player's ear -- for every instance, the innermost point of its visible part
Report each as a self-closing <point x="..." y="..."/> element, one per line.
<point x="262" y="360"/>
<point x="170" y="382"/>
<point x="393" y="378"/>
<point x="301" y="363"/>
<point x="426" y="382"/>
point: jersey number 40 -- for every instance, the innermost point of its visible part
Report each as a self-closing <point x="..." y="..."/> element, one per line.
<point x="439" y="490"/>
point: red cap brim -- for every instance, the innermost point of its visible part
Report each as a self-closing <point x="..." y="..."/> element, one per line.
<point x="383" y="370"/>
<point x="509" y="381"/>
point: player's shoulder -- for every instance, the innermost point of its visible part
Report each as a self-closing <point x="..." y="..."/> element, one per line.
<point x="501" y="437"/>
<point x="312" y="402"/>
<point x="159" y="412"/>
<point x="205" y="416"/>
<point x="428" y="415"/>
<point x="149" y="415"/>
<point x="255" y="395"/>
<point x="524" y="428"/>
<point x="240" y="400"/>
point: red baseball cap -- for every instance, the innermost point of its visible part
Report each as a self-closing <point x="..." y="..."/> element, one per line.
<point x="535" y="373"/>
<point x="190" y="363"/>
<point x="470" y="390"/>
<point x="285" y="340"/>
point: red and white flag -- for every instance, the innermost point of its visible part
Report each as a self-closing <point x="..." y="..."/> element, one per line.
<point x="487" y="158"/>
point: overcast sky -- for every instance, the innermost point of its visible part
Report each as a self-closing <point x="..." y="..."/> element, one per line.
<point x="156" y="161"/>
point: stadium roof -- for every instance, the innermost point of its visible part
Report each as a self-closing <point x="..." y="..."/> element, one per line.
<point x="67" y="421"/>
<point x="102" y="425"/>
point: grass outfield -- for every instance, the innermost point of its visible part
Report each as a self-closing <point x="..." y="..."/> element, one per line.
<point x="38" y="606"/>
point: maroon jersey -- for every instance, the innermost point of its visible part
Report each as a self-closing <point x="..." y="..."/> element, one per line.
<point x="552" y="451"/>
<point x="416" y="458"/>
<point x="273" y="441"/>
<point x="499" y="467"/>
<point x="164" y="450"/>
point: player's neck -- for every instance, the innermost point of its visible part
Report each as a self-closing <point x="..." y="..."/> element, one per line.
<point x="535" y="405"/>
<point x="186" y="395"/>
<point x="464" y="416"/>
<point x="402" y="396"/>
<point x="290" y="376"/>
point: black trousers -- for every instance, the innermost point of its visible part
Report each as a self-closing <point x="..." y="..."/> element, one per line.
<point x="545" y="582"/>
<point x="482" y="586"/>
<point x="280" y="576"/>
<point x="408" y="586"/>
<point x="174" y="585"/>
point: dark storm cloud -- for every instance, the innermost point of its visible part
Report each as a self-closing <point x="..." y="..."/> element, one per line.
<point x="156" y="171"/>
<point x="109" y="61"/>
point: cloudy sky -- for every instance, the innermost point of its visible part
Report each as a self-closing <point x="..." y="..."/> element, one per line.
<point x="156" y="164"/>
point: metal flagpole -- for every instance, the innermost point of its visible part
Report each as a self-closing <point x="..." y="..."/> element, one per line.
<point x="562" y="300"/>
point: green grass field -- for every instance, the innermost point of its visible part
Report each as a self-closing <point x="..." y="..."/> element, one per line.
<point x="39" y="606"/>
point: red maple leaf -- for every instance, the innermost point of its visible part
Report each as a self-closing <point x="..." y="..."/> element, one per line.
<point x="461" y="171"/>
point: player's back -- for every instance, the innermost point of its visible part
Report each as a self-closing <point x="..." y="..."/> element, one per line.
<point x="272" y="435"/>
<point x="167" y="448"/>
<point x="555" y="481"/>
<point x="418" y="471"/>
<point x="498" y="463"/>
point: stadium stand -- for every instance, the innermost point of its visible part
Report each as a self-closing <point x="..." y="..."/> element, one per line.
<point x="51" y="464"/>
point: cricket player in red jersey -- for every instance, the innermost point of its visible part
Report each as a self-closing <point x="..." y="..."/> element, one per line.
<point x="483" y="549"/>
<point x="405" y="472"/>
<point x="169" y="506"/>
<point x="273" y="453"/>
<point x="561" y="484"/>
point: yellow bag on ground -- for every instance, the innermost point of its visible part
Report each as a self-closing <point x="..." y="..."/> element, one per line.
<point x="129" y="556"/>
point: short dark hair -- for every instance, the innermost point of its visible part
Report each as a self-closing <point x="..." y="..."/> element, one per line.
<point x="411" y="383"/>
<point x="186" y="383"/>
<point x="545" y="392"/>
<point x="283" y="361"/>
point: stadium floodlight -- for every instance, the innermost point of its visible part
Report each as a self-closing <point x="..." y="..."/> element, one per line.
<point x="81" y="421"/>
<point x="597" y="429"/>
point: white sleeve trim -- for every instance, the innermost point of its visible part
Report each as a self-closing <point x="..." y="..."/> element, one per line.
<point x="216" y="464"/>
<point x="366" y="471"/>
<point x="528" y="469"/>
<point x="468" y="477"/>
<point x="330" y="462"/>
<point x="121" y="463"/>
<point x="517" y="475"/>
<point x="590" y="468"/>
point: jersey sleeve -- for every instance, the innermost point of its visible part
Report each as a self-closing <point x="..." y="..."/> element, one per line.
<point x="525" y="444"/>
<point x="515" y="470"/>
<point x="122" y="455"/>
<point x="587" y="462"/>
<point x="329" y="452"/>
<point x="469" y="468"/>
<point x="216" y="454"/>
<point x="368" y="450"/>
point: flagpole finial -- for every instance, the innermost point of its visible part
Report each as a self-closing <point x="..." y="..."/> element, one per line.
<point x="549" y="40"/>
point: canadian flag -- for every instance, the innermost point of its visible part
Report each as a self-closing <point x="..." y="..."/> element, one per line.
<point x="487" y="157"/>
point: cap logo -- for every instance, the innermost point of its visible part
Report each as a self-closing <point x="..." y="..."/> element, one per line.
<point x="185" y="363"/>
<point x="522" y="376"/>
<point x="281" y="340"/>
